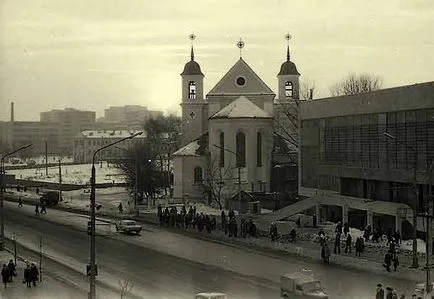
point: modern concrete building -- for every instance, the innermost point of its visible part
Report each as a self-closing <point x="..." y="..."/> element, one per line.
<point x="20" y="133"/>
<point x="377" y="145"/>
<point x="131" y="116"/>
<point x="70" y="123"/>
<point x="87" y="142"/>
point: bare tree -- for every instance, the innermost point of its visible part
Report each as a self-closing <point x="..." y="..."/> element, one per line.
<point x="355" y="84"/>
<point x="216" y="181"/>
<point x="125" y="287"/>
<point x="286" y="127"/>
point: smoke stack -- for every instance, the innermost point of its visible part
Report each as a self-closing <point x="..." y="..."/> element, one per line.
<point x="12" y="112"/>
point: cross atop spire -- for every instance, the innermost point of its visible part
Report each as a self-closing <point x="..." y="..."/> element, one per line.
<point x="240" y="45"/>
<point x="288" y="38"/>
<point x="192" y="37"/>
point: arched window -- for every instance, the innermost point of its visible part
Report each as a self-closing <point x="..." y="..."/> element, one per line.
<point x="258" y="149"/>
<point x="222" y="149"/>
<point x="198" y="178"/>
<point x="241" y="149"/>
<point x="191" y="90"/>
<point x="288" y="89"/>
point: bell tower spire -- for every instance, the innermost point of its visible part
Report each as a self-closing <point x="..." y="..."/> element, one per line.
<point x="192" y="37"/>
<point x="288" y="38"/>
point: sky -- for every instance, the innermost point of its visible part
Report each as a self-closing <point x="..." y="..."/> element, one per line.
<point x="92" y="54"/>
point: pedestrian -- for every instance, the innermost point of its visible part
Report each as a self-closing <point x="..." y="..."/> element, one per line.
<point x="5" y="275"/>
<point x="20" y="202"/>
<point x="43" y="208"/>
<point x="348" y="242"/>
<point x="273" y="231"/>
<point x="389" y="294"/>
<point x="37" y="209"/>
<point x="346" y="228"/>
<point x="379" y="294"/>
<point x="402" y="296"/>
<point x="27" y="276"/>
<point x="293" y="235"/>
<point x="34" y="274"/>
<point x="397" y="238"/>
<point x="120" y="208"/>
<point x="387" y="261"/>
<point x="337" y="248"/>
<point x="338" y="227"/>
<point x="358" y="246"/>
<point x="325" y="253"/>
<point x="12" y="270"/>
<point x="395" y="262"/>
<point x="394" y="295"/>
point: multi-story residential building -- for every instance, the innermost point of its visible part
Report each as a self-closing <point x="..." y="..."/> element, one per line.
<point x="377" y="145"/>
<point x="20" y="133"/>
<point x="132" y="116"/>
<point x="87" y="142"/>
<point x="70" y="123"/>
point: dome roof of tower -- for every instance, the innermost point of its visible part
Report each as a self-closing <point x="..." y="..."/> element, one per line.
<point x="288" y="68"/>
<point x="192" y="68"/>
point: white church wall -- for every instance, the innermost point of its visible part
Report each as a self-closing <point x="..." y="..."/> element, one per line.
<point x="250" y="127"/>
<point x="185" y="188"/>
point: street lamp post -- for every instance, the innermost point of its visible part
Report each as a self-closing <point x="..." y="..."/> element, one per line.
<point x="2" y="171"/>
<point x="92" y="269"/>
<point x="415" y="263"/>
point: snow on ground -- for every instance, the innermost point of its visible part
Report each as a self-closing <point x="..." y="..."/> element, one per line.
<point x="40" y="160"/>
<point x="71" y="174"/>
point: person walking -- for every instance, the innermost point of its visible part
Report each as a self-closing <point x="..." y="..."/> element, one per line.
<point x="27" y="276"/>
<point x="12" y="270"/>
<point x="43" y="208"/>
<point x="388" y="261"/>
<point x="120" y="208"/>
<point x="379" y="294"/>
<point x="37" y="209"/>
<point x="337" y="248"/>
<point x="395" y="262"/>
<point x="5" y="275"/>
<point x="348" y="242"/>
<point x="20" y="202"/>
<point x="389" y="294"/>
<point x="34" y="274"/>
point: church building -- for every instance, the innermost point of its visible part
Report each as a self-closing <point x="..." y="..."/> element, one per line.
<point x="229" y="136"/>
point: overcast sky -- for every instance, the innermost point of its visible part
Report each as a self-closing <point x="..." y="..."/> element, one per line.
<point x="91" y="54"/>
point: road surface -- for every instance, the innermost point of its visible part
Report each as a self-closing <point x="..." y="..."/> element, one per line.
<point x="162" y="264"/>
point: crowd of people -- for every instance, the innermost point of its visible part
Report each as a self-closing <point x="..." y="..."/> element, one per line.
<point x="9" y="271"/>
<point x="172" y="217"/>
<point x="390" y="293"/>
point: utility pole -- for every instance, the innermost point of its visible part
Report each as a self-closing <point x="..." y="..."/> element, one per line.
<point x="136" y="189"/>
<point x="46" y="158"/>
<point x="40" y="259"/>
<point x="92" y="270"/>
<point x="60" y="180"/>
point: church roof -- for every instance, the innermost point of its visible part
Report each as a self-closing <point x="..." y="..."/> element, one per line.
<point x="288" y="67"/>
<point x="241" y="108"/>
<point x="197" y="147"/>
<point x="192" y="67"/>
<point x="188" y="150"/>
<point x="230" y="84"/>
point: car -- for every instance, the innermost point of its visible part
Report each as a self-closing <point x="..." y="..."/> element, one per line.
<point x="298" y="285"/>
<point x="128" y="227"/>
<point x="211" y="296"/>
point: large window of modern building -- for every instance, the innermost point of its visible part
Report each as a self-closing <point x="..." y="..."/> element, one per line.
<point x="241" y="149"/>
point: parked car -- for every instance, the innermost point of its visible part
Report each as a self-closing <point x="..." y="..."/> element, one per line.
<point x="128" y="227"/>
<point x="298" y="285"/>
<point x="211" y="296"/>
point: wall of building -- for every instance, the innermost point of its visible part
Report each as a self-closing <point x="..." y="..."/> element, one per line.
<point x="350" y="153"/>
<point x="183" y="180"/>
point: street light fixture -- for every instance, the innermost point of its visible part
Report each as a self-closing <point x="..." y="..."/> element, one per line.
<point x="415" y="263"/>
<point x="92" y="269"/>
<point x="2" y="171"/>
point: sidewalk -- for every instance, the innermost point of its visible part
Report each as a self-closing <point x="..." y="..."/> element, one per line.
<point x="49" y="288"/>
<point x="305" y="247"/>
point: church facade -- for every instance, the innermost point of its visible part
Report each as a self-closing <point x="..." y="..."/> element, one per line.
<point x="229" y="135"/>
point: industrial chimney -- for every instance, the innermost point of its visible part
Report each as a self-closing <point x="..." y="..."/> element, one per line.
<point x="12" y="112"/>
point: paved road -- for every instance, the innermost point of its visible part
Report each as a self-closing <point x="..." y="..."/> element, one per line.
<point x="154" y="275"/>
<point x="171" y="265"/>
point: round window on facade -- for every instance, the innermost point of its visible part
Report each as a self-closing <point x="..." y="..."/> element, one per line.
<point x="241" y="81"/>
